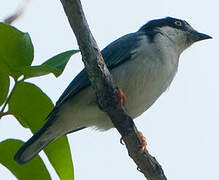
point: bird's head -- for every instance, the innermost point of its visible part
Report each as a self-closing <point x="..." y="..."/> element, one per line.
<point x="179" y="32"/>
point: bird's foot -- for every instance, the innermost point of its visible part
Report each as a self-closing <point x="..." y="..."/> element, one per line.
<point x="122" y="96"/>
<point x="143" y="141"/>
<point x="121" y="141"/>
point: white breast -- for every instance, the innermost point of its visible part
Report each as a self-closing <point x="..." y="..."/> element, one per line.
<point x="147" y="76"/>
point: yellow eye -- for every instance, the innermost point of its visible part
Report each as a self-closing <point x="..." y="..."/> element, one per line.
<point x="178" y="23"/>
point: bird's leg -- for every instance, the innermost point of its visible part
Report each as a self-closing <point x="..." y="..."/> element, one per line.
<point x="143" y="146"/>
<point x="121" y="141"/>
<point x="143" y="141"/>
<point x="122" y="96"/>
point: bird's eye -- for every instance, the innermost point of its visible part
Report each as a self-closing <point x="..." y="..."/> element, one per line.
<point x="178" y="23"/>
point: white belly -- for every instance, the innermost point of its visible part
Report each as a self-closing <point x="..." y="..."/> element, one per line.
<point x="143" y="84"/>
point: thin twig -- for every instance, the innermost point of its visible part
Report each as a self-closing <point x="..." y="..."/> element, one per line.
<point x="18" y="13"/>
<point x="107" y="92"/>
<point x="9" y="96"/>
<point x="5" y="114"/>
<point x="16" y="82"/>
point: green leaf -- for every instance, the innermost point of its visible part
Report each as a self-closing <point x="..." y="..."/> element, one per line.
<point x="4" y="86"/>
<point x="59" y="61"/>
<point x="59" y="155"/>
<point x="3" y="67"/>
<point x="31" y="107"/>
<point x="36" y="71"/>
<point x="34" y="170"/>
<point x="16" y="49"/>
<point x="54" y="65"/>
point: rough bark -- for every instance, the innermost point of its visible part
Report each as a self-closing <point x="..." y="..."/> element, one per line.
<point x="107" y="91"/>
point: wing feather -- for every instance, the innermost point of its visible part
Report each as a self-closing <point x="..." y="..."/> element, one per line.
<point x="114" y="54"/>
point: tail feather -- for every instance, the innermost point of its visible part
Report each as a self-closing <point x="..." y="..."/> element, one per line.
<point x="75" y="130"/>
<point x="33" y="146"/>
<point x="38" y="142"/>
<point x="49" y="132"/>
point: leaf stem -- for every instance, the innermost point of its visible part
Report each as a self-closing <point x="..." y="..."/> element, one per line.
<point x="2" y="113"/>
<point x="5" y="114"/>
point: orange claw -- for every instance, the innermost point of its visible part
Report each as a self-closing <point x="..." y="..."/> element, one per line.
<point x="122" y="96"/>
<point x="144" y="143"/>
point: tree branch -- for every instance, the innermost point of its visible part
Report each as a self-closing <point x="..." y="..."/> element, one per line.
<point x="17" y="14"/>
<point x="107" y="91"/>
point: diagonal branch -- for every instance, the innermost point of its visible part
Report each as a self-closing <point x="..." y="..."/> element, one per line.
<point x="107" y="92"/>
<point x="17" y="14"/>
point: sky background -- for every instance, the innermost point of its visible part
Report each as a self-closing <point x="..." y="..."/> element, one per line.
<point x="181" y="128"/>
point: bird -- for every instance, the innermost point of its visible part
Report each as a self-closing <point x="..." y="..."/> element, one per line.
<point x="143" y="65"/>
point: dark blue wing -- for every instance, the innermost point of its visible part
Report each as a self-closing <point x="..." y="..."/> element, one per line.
<point x="114" y="54"/>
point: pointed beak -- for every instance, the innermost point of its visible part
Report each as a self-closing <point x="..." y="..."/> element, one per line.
<point x="195" y="36"/>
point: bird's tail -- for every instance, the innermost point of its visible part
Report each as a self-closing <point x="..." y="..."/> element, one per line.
<point x="35" y="144"/>
<point x="39" y="141"/>
<point x="49" y="132"/>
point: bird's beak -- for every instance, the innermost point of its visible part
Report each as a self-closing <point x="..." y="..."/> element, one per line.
<point x="195" y="36"/>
